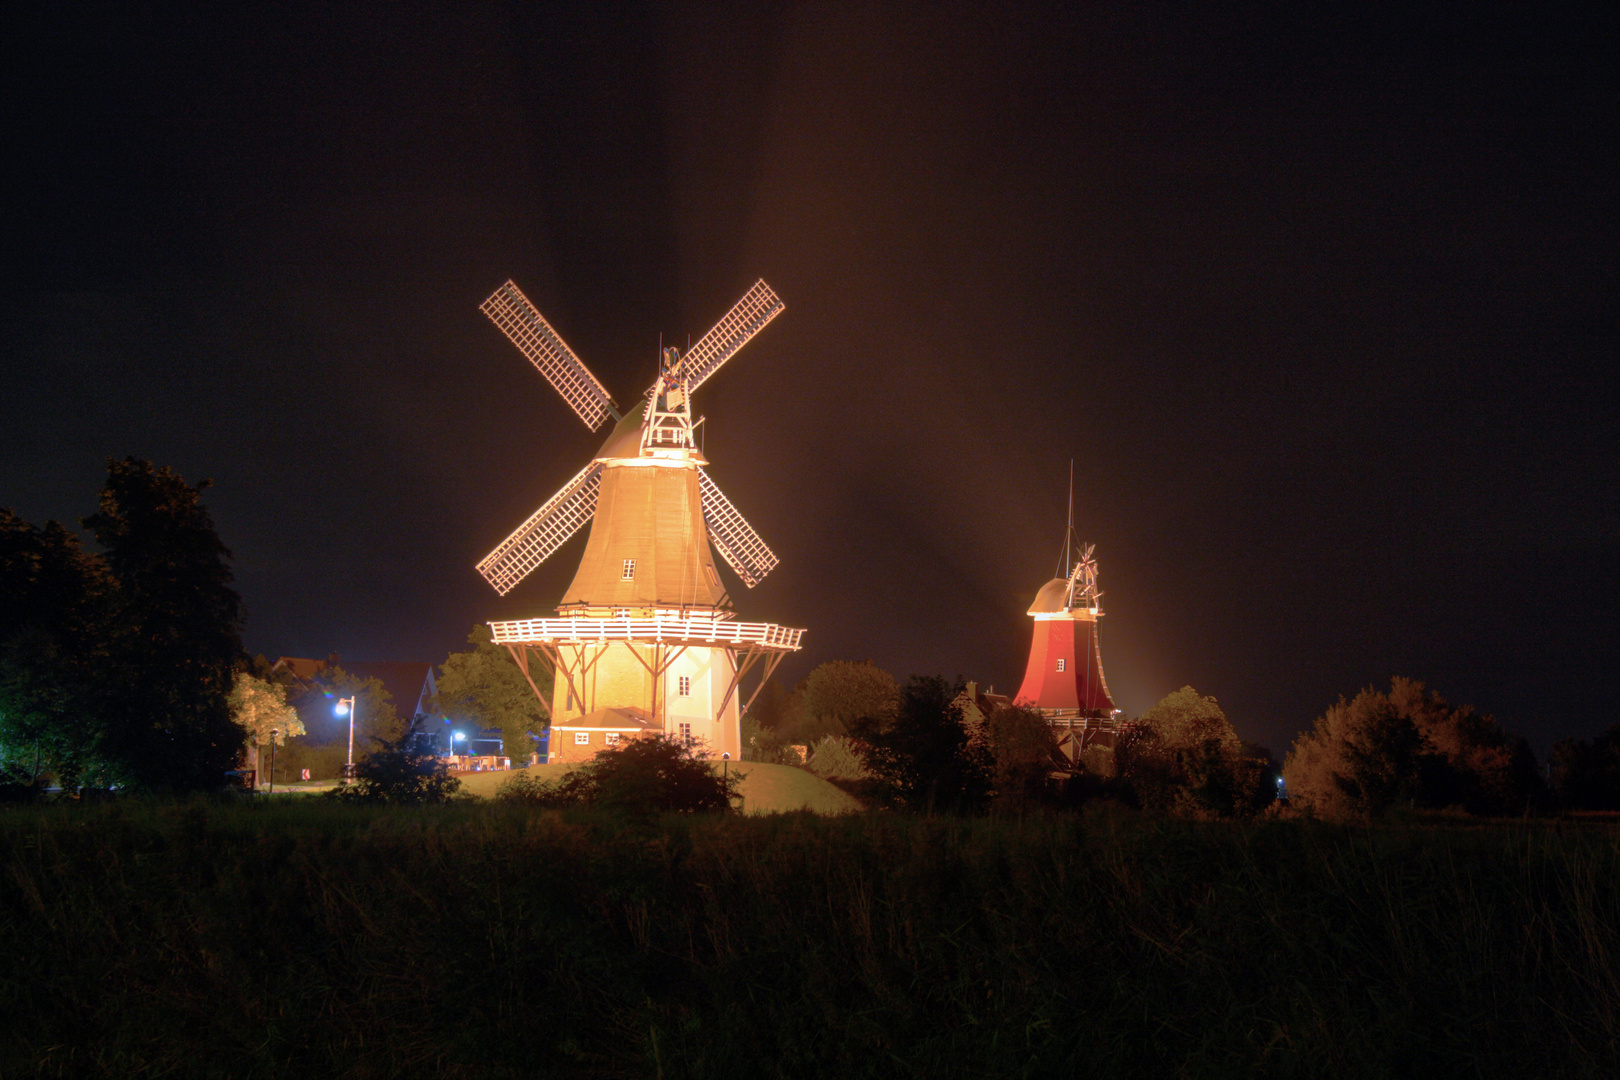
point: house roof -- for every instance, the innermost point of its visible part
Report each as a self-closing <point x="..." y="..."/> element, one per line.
<point x="625" y="719"/>
<point x="409" y="682"/>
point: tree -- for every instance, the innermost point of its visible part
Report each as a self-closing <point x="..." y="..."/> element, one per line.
<point x="840" y="692"/>
<point x="1408" y="746"/>
<point x="376" y="725"/>
<point x="921" y="753"/>
<point x="176" y="638"/>
<point x="484" y="685"/>
<point x="260" y="709"/>
<point x="826" y="702"/>
<point x="1186" y="719"/>
<point x="1183" y="756"/>
<point x="1586" y="772"/>
<point x="1021" y="747"/>
<point x="54" y="622"/>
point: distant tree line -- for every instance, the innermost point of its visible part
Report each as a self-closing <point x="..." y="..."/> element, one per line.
<point x="914" y="746"/>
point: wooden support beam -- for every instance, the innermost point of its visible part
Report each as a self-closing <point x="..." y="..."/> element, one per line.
<point x="772" y="660"/>
<point x="520" y="654"/>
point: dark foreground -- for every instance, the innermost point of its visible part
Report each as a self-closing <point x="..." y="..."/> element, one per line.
<point x="309" y="940"/>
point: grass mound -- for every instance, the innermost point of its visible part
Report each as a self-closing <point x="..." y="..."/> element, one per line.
<point x="484" y="785"/>
<point x="780" y="789"/>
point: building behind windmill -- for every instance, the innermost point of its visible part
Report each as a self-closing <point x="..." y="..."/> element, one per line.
<point x="645" y="639"/>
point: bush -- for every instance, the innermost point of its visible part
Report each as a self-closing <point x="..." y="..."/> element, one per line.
<point x="399" y="777"/>
<point x="837" y="758"/>
<point x="653" y="775"/>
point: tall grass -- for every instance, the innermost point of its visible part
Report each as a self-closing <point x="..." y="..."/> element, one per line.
<point x="304" y="939"/>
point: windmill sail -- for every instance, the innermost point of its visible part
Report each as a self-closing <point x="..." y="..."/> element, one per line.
<point x="546" y="530"/>
<point x="746" y="318"/>
<point x="733" y="537"/>
<point x="518" y="319"/>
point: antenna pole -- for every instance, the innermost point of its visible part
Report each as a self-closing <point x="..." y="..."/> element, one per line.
<point x="1070" y="533"/>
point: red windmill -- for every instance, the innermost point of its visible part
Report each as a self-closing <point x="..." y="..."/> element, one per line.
<point x="1064" y="677"/>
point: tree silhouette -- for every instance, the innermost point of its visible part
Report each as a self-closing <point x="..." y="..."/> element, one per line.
<point x="174" y="635"/>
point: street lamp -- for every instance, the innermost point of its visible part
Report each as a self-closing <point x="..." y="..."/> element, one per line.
<point x="454" y="735"/>
<point x="273" y="733"/>
<point x="348" y="707"/>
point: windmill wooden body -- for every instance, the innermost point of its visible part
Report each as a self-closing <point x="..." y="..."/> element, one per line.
<point x="645" y="640"/>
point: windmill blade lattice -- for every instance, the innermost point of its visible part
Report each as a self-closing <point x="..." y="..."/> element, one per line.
<point x="547" y="529"/>
<point x="733" y="537"/>
<point x="520" y="321"/>
<point x="746" y="318"/>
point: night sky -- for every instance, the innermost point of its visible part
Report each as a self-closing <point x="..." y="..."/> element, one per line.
<point x="1322" y="306"/>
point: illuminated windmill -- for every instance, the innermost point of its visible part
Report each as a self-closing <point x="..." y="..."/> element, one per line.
<point x="1064" y="677"/>
<point x="645" y="641"/>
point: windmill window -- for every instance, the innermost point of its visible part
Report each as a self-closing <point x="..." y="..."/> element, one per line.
<point x="582" y="738"/>
<point x="611" y="738"/>
<point x="685" y="685"/>
<point x="686" y="734"/>
<point x="1060" y="664"/>
<point x="629" y="570"/>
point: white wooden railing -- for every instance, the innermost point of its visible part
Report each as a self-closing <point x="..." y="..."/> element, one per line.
<point x="671" y="628"/>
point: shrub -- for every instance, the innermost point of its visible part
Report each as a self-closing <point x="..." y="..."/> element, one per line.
<point x="641" y="776"/>
<point x="399" y="777"/>
<point x="837" y="758"/>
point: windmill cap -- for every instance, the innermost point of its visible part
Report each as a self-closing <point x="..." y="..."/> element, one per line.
<point x="1053" y="597"/>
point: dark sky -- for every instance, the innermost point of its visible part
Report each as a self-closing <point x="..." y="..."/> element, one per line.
<point x="1321" y="303"/>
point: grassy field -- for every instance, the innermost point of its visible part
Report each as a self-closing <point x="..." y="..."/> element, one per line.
<point x="765" y="789"/>
<point x="297" y="938"/>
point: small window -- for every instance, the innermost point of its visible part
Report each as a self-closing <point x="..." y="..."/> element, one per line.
<point x="629" y="570"/>
<point x="686" y="734"/>
<point x="582" y="738"/>
<point x="611" y="738"/>
<point x="1061" y="663"/>
<point x="685" y="685"/>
